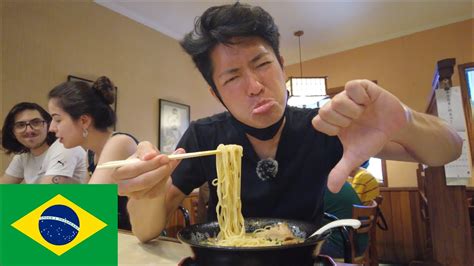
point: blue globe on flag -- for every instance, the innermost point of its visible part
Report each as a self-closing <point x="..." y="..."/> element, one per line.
<point x="59" y="225"/>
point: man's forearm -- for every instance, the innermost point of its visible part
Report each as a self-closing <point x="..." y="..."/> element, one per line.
<point x="429" y="140"/>
<point x="58" y="179"/>
<point x="148" y="217"/>
<point x="6" y="179"/>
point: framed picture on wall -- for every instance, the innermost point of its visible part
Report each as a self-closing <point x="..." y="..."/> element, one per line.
<point x="74" y="78"/>
<point x="90" y="82"/>
<point x="173" y="120"/>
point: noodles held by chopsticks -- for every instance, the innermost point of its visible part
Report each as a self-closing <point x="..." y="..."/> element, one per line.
<point x="229" y="207"/>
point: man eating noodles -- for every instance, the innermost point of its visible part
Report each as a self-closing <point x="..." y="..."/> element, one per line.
<point x="289" y="154"/>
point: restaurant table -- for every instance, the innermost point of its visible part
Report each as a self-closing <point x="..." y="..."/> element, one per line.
<point x="162" y="251"/>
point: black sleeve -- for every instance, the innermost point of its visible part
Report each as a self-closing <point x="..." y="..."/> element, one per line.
<point x="338" y="151"/>
<point x="189" y="174"/>
<point x="334" y="145"/>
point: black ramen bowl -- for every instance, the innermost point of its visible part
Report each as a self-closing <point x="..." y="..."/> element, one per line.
<point x="300" y="254"/>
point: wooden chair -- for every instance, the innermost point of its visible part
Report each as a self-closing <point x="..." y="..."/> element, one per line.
<point x="381" y="221"/>
<point x="367" y="214"/>
<point x="185" y="215"/>
<point x="201" y="204"/>
<point x="180" y="219"/>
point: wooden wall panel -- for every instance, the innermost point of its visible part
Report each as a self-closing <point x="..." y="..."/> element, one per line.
<point x="419" y="228"/>
<point x="449" y="219"/>
<point x="405" y="238"/>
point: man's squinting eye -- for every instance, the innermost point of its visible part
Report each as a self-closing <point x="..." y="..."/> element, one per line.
<point x="231" y="79"/>
<point x="264" y="63"/>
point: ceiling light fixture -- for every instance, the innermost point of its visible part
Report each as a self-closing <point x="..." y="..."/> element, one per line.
<point x="307" y="90"/>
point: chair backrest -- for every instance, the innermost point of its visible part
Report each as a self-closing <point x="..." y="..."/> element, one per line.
<point x="192" y="210"/>
<point x="379" y="199"/>
<point x="381" y="222"/>
<point x="202" y="204"/>
<point x="177" y="221"/>
<point x="367" y="214"/>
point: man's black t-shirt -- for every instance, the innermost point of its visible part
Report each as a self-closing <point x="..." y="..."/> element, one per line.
<point x="305" y="157"/>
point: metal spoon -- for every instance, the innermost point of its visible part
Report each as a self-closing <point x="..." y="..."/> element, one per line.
<point x="354" y="223"/>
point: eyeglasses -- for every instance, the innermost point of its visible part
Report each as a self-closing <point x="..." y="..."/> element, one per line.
<point x="35" y="124"/>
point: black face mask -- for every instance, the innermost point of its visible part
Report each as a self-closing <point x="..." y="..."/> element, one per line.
<point x="260" y="133"/>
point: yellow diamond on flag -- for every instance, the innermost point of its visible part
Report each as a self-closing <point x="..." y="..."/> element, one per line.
<point x="59" y="225"/>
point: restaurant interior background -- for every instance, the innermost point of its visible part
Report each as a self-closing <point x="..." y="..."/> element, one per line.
<point x="43" y="43"/>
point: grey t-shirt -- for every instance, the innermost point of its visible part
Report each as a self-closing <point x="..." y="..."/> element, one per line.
<point x="57" y="160"/>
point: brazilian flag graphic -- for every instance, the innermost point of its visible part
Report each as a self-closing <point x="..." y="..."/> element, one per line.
<point x="58" y="225"/>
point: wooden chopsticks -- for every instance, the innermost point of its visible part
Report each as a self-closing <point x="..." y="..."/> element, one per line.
<point x="119" y="163"/>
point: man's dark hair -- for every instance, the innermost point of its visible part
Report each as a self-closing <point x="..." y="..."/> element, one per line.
<point x="9" y="142"/>
<point x="79" y="98"/>
<point x="220" y="24"/>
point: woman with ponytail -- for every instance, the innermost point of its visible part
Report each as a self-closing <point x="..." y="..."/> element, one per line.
<point x="83" y="116"/>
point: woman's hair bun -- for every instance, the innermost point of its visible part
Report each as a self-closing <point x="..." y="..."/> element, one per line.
<point x="104" y="87"/>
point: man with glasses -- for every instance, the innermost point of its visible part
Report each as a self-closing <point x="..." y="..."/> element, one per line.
<point x="39" y="157"/>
